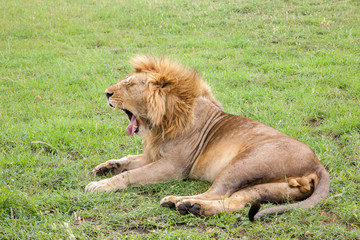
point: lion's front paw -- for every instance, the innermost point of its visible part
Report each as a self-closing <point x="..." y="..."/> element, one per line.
<point x="114" y="166"/>
<point x="103" y="185"/>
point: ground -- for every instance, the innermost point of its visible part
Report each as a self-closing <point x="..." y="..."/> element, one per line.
<point x="293" y="65"/>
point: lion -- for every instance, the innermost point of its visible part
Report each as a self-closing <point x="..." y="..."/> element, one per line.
<point x="187" y="134"/>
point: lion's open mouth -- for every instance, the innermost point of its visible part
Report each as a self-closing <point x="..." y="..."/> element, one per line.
<point x="133" y="127"/>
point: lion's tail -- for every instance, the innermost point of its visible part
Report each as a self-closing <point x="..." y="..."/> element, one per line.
<point x="321" y="191"/>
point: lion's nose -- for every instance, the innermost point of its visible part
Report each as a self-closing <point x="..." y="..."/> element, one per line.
<point x="108" y="94"/>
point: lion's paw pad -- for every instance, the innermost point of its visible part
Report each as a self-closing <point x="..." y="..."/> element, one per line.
<point x="106" y="168"/>
<point x="186" y="207"/>
<point x="182" y="209"/>
<point x="168" y="204"/>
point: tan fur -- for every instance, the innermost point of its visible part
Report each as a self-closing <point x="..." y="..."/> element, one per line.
<point x="186" y="134"/>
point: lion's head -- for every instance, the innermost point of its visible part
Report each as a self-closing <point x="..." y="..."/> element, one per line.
<point x="158" y="96"/>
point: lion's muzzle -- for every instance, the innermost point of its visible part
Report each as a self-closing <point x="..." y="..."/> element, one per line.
<point x="108" y="95"/>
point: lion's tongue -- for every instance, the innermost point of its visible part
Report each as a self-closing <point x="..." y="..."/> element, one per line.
<point x="132" y="126"/>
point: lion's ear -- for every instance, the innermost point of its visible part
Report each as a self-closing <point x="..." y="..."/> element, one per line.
<point x="156" y="97"/>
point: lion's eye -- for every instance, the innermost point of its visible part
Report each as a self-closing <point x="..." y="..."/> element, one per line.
<point x="127" y="83"/>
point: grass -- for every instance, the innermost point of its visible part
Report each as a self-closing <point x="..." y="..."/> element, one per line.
<point x="293" y="65"/>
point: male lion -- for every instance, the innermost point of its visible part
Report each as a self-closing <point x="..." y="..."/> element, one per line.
<point x="186" y="134"/>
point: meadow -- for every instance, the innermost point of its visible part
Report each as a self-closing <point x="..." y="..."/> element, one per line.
<point x="291" y="64"/>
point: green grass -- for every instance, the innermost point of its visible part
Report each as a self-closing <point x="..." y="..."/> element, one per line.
<point x="293" y="65"/>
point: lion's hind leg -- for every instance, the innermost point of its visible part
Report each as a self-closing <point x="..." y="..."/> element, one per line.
<point x="211" y="194"/>
<point x="276" y="192"/>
